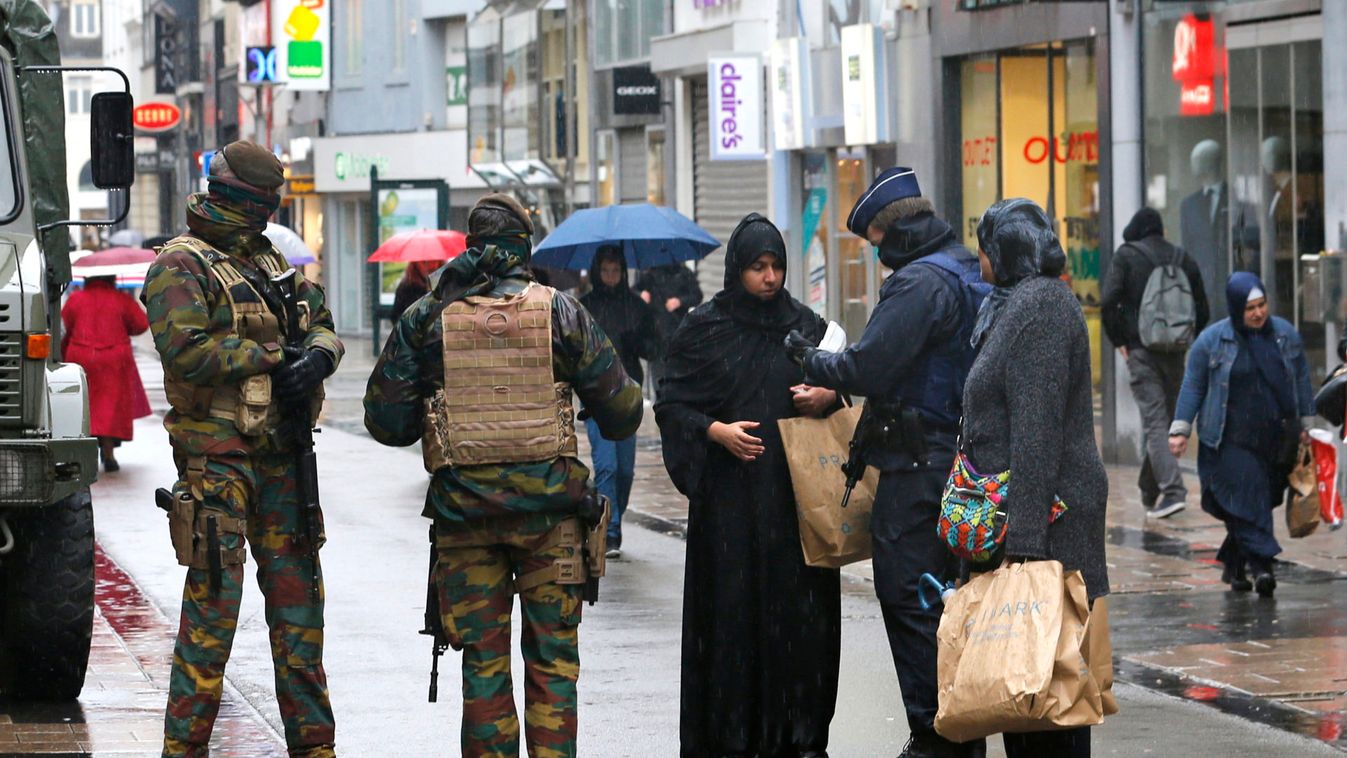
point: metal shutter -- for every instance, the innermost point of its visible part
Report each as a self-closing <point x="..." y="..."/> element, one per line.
<point x="631" y="165"/>
<point x="724" y="191"/>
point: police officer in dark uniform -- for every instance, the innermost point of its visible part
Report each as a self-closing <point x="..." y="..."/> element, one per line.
<point x="910" y="364"/>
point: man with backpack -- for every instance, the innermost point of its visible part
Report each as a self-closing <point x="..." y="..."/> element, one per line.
<point x="1154" y="305"/>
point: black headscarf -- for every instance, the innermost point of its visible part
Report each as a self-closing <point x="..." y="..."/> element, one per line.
<point x="1145" y="223"/>
<point x="754" y="236"/>
<point x="1261" y="343"/>
<point x="1017" y="237"/>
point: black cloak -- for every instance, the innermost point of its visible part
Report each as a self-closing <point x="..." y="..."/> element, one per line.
<point x="761" y="630"/>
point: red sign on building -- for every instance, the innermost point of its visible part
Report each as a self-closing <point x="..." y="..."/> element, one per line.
<point x="156" y="117"/>
<point x="1194" y="66"/>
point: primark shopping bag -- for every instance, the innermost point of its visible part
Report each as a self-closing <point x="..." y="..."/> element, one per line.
<point x="1012" y="649"/>
<point x="830" y="536"/>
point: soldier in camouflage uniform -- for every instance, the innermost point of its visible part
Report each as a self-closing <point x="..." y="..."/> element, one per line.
<point x="492" y="401"/>
<point x="225" y="374"/>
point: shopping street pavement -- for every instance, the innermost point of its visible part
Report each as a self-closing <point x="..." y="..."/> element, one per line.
<point x="1201" y="671"/>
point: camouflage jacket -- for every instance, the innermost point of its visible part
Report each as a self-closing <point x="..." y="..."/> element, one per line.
<point x="411" y="369"/>
<point x="190" y="319"/>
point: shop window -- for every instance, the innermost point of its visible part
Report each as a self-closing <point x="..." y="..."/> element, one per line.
<point x="484" y="88"/>
<point x="1029" y="120"/>
<point x="519" y="86"/>
<point x="855" y="259"/>
<point x="1233" y="160"/>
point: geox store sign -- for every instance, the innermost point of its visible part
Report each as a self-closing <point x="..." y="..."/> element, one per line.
<point x="635" y="91"/>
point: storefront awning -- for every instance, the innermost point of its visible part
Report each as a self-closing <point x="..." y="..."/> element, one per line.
<point x="685" y="54"/>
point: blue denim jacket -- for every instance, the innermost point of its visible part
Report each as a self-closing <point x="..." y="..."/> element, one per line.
<point x="1206" y="383"/>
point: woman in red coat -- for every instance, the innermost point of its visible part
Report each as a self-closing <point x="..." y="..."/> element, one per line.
<point x="99" y="323"/>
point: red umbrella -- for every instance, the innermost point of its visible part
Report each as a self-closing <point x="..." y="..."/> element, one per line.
<point x="423" y="245"/>
<point x="115" y="261"/>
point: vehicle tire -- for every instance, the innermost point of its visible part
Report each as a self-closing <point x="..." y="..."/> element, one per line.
<point x="48" y="596"/>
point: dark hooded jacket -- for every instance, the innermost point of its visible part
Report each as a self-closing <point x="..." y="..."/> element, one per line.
<point x="916" y="347"/>
<point x="664" y="282"/>
<point x="623" y="315"/>
<point x="1144" y="246"/>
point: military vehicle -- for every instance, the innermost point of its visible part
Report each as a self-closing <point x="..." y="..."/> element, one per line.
<point x="47" y="457"/>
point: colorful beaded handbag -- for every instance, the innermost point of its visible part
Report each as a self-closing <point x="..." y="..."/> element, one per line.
<point x="972" y="522"/>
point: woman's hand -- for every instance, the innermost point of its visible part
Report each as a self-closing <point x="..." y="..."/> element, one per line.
<point x="813" y="401"/>
<point x="736" y="439"/>
<point x="1178" y="445"/>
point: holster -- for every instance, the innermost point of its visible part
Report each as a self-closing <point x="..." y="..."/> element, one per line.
<point x="585" y="560"/>
<point x="189" y="524"/>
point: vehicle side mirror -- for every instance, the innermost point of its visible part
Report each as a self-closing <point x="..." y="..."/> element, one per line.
<point x="114" y="160"/>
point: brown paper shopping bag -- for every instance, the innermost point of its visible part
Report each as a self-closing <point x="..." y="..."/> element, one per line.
<point x="1099" y="653"/>
<point x="830" y="535"/>
<point x="1011" y="654"/>
<point x="1302" y="510"/>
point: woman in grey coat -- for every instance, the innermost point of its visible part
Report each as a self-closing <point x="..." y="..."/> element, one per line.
<point x="1028" y="408"/>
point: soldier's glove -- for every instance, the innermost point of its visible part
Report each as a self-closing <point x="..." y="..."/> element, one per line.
<point x="799" y="347"/>
<point x="301" y="374"/>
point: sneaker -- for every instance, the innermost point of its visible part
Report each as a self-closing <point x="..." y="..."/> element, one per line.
<point x="614" y="553"/>
<point x="1165" y="510"/>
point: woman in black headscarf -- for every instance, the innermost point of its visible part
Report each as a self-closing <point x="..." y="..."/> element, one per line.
<point x="1248" y="387"/>
<point x="761" y="630"/>
<point x="1028" y="408"/>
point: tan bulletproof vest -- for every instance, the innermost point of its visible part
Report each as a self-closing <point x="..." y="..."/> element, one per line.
<point x="501" y="402"/>
<point x="248" y="404"/>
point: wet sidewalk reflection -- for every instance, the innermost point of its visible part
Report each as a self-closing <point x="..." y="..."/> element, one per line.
<point x="121" y="710"/>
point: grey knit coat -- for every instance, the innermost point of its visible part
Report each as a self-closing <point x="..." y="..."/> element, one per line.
<point x="1028" y="408"/>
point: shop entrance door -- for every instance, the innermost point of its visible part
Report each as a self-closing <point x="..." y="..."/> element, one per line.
<point x="1276" y="174"/>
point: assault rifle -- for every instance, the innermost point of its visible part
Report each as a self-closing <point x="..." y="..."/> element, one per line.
<point x="882" y="424"/>
<point x="434" y="627"/>
<point x="281" y="295"/>
<point x="306" y="460"/>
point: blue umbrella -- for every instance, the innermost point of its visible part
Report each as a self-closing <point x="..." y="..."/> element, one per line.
<point x="649" y="236"/>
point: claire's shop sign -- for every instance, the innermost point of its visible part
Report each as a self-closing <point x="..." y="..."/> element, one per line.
<point x="734" y="93"/>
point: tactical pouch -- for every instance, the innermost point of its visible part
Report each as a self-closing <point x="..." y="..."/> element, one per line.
<point x="250" y="415"/>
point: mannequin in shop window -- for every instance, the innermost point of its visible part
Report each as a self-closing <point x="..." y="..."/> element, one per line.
<point x="1205" y="223"/>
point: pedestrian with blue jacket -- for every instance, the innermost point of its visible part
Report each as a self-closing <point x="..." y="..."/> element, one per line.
<point x="1248" y="389"/>
<point x="910" y="364"/>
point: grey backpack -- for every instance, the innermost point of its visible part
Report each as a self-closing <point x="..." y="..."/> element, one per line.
<point x="1167" y="318"/>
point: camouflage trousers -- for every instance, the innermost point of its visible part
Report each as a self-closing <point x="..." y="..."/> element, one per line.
<point x="261" y="490"/>
<point x="474" y="575"/>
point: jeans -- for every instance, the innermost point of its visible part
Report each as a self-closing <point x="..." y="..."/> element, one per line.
<point x="614" y="471"/>
<point x="1156" y="379"/>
